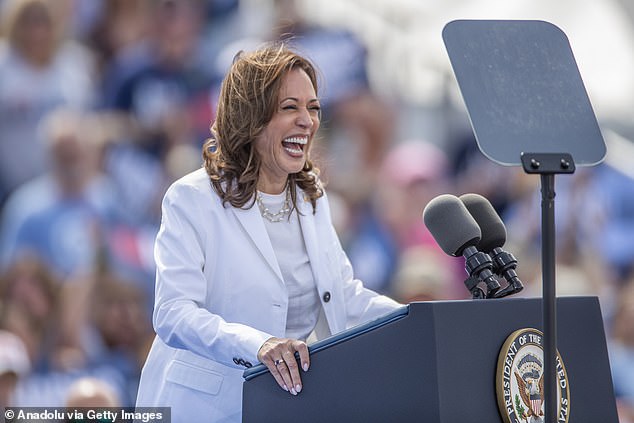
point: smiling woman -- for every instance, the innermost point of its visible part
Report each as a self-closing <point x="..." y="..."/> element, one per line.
<point x="270" y="97"/>
<point x="238" y="284"/>
<point x="284" y="144"/>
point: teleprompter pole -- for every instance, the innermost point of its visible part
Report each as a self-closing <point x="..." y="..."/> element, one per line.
<point x="549" y="304"/>
<point x="547" y="165"/>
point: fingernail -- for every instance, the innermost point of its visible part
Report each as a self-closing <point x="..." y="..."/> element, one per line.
<point x="298" y="388"/>
<point x="293" y="391"/>
<point x="305" y="367"/>
<point x="285" y="388"/>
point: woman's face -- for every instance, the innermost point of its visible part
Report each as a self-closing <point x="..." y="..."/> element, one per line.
<point x="284" y="143"/>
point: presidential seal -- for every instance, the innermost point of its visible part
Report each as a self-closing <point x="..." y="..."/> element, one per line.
<point x="520" y="380"/>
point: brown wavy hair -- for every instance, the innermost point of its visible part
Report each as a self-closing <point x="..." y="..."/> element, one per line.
<point x="249" y="98"/>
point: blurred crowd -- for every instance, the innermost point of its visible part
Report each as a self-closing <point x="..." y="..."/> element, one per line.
<point x="104" y="103"/>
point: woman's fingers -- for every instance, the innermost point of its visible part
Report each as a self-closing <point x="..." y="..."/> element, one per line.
<point x="293" y="369"/>
<point x="281" y="375"/>
<point x="278" y="354"/>
<point x="304" y="357"/>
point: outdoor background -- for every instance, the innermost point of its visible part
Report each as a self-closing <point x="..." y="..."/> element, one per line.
<point x="104" y="103"/>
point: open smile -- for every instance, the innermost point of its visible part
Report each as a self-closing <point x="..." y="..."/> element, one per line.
<point x="295" y="145"/>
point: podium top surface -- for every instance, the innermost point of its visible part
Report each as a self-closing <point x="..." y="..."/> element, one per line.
<point x="523" y="90"/>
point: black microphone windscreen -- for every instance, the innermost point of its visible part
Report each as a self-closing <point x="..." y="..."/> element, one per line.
<point x="450" y="223"/>
<point x="491" y="225"/>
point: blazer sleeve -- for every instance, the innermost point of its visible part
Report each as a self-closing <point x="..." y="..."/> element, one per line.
<point x="180" y="318"/>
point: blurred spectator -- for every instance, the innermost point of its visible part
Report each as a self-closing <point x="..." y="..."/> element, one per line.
<point x="14" y="363"/>
<point x="226" y="21"/>
<point x="420" y="276"/>
<point x="411" y="174"/>
<point x="123" y="331"/>
<point x="473" y="172"/>
<point x="29" y="305"/>
<point x="117" y="36"/>
<point x="107" y="316"/>
<point x="58" y="216"/>
<point x="621" y="348"/>
<point x="39" y="70"/>
<point x="90" y="392"/>
<point x="613" y="235"/>
<point x="167" y="94"/>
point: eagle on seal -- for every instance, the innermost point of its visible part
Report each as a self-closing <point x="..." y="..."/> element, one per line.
<point x="532" y="394"/>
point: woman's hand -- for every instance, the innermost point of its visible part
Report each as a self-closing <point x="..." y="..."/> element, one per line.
<point x="278" y="354"/>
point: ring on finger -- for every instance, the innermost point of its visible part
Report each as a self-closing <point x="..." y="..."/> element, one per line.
<point x="278" y="362"/>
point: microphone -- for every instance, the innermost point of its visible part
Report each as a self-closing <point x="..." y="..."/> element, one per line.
<point x="492" y="239"/>
<point x="457" y="233"/>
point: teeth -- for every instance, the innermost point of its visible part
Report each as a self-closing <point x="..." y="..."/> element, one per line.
<point x="297" y="140"/>
<point x="293" y="150"/>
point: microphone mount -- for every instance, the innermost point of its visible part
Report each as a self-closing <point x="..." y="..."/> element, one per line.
<point x="479" y="266"/>
<point x="505" y="264"/>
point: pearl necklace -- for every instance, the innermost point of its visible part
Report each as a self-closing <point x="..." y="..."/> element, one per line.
<point x="277" y="216"/>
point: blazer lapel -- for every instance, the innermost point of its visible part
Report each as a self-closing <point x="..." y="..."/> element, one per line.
<point x="315" y="244"/>
<point x="311" y="240"/>
<point x="251" y="221"/>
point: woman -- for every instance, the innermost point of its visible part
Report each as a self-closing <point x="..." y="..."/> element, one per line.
<point x="248" y="262"/>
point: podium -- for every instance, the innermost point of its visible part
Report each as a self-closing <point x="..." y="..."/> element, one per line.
<point x="436" y="362"/>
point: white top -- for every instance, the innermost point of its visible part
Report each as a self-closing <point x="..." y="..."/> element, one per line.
<point x="290" y="251"/>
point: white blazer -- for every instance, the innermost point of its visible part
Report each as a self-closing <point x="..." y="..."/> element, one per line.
<point x="220" y="295"/>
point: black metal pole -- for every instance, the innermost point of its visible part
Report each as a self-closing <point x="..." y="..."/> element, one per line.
<point x="549" y="297"/>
